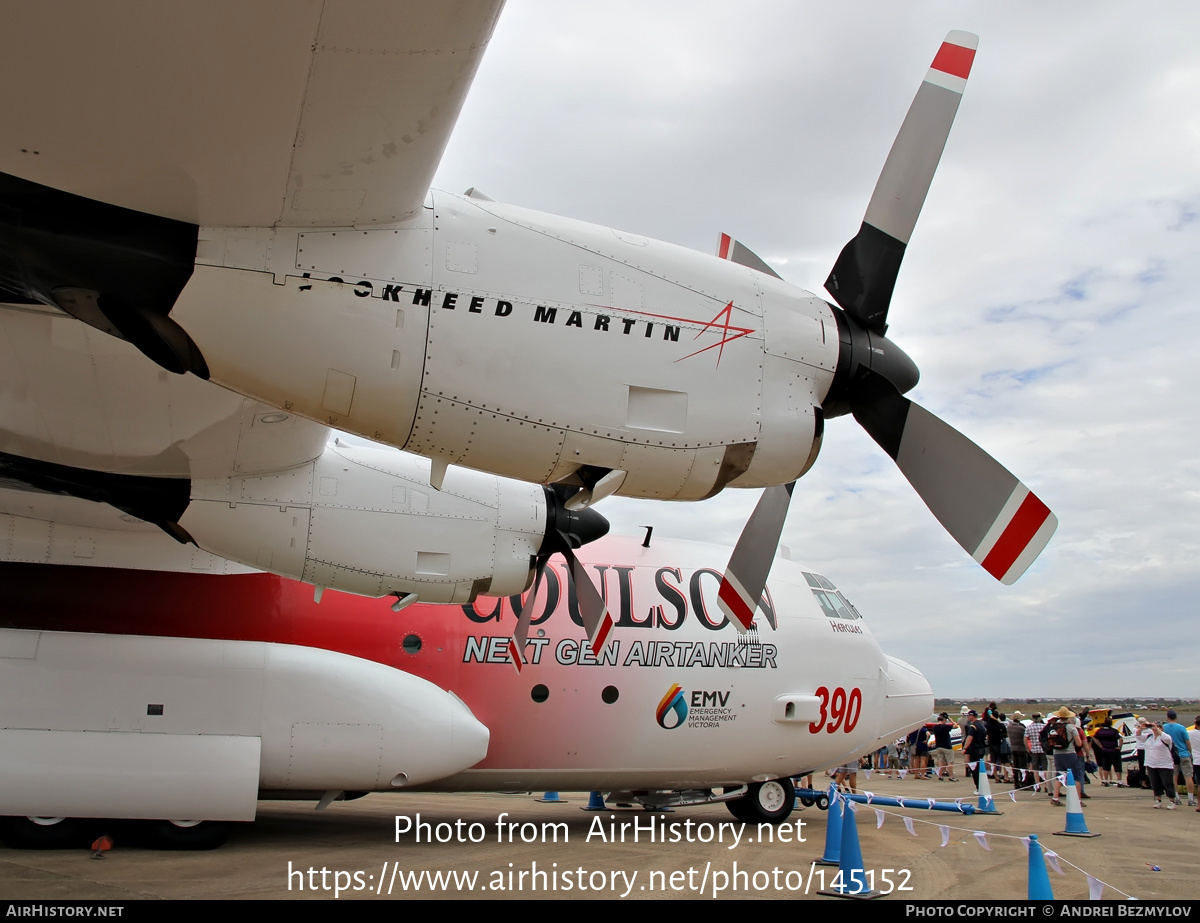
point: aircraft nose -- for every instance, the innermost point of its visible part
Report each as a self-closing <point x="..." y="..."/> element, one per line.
<point x="908" y="701"/>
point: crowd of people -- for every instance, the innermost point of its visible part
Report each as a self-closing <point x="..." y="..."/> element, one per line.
<point x="1039" y="751"/>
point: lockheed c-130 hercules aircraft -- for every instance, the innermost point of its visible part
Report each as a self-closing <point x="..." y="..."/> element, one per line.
<point x="219" y="708"/>
<point x="168" y="225"/>
<point x="266" y="223"/>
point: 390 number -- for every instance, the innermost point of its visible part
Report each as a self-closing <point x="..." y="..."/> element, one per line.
<point x="839" y="711"/>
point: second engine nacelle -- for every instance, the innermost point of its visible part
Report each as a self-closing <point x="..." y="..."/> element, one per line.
<point x="367" y="521"/>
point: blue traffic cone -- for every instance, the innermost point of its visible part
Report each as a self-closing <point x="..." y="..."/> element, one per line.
<point x="1076" y="825"/>
<point x="833" y="829"/>
<point x="854" y="881"/>
<point x="1039" y="878"/>
<point x="851" y="877"/>
<point x="551" y="798"/>
<point x="595" y="802"/>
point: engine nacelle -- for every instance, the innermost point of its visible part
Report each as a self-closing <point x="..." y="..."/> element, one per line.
<point x="476" y="334"/>
<point x="167" y="728"/>
<point x="523" y="344"/>
<point x="367" y="521"/>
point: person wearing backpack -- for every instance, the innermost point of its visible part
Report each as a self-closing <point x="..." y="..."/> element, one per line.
<point x="1061" y="737"/>
<point x="974" y="745"/>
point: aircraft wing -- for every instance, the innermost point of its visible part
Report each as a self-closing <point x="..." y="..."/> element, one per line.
<point x="226" y="113"/>
<point x="73" y="396"/>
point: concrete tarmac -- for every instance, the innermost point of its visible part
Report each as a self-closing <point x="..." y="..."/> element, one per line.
<point x="565" y="852"/>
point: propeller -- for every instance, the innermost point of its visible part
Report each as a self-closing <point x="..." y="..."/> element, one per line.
<point x="983" y="506"/>
<point x="566" y="529"/>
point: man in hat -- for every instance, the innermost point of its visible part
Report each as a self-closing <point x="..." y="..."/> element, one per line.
<point x="1065" y="740"/>
<point x="943" y="751"/>
<point x="1142" y="735"/>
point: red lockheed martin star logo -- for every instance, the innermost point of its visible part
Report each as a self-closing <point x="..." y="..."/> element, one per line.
<point x="720" y="324"/>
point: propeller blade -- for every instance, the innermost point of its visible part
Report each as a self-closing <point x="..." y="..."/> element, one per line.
<point x="865" y="272"/>
<point x="996" y="518"/>
<point x="737" y="252"/>
<point x="516" y="644"/>
<point x="746" y="575"/>
<point x="592" y="609"/>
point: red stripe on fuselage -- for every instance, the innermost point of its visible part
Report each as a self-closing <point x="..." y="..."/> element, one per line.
<point x="1024" y="525"/>
<point x="954" y="60"/>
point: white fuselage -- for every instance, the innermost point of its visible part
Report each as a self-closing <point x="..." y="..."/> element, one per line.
<point x="676" y="700"/>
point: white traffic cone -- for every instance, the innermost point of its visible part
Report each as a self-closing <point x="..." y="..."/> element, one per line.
<point x="1076" y="826"/>
<point x="986" y="803"/>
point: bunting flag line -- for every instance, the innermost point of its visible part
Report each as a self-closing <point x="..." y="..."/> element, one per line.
<point x="1096" y="887"/>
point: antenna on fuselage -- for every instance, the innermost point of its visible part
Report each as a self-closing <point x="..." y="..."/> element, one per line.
<point x="649" y="532"/>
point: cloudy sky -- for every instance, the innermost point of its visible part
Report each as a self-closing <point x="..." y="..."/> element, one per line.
<point x="1048" y="293"/>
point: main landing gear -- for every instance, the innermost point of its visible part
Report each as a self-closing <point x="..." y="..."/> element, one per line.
<point x="765" y="803"/>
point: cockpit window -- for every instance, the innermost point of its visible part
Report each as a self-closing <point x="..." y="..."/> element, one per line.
<point x="835" y="605"/>
<point x="816" y="581"/>
<point x="850" y="606"/>
<point x="830" y="609"/>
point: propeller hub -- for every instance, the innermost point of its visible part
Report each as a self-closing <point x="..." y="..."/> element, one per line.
<point x="569" y="528"/>
<point x="861" y="349"/>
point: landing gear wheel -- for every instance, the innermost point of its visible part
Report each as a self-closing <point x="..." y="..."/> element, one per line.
<point x="765" y="803"/>
<point x="189" y="834"/>
<point x="41" y="832"/>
